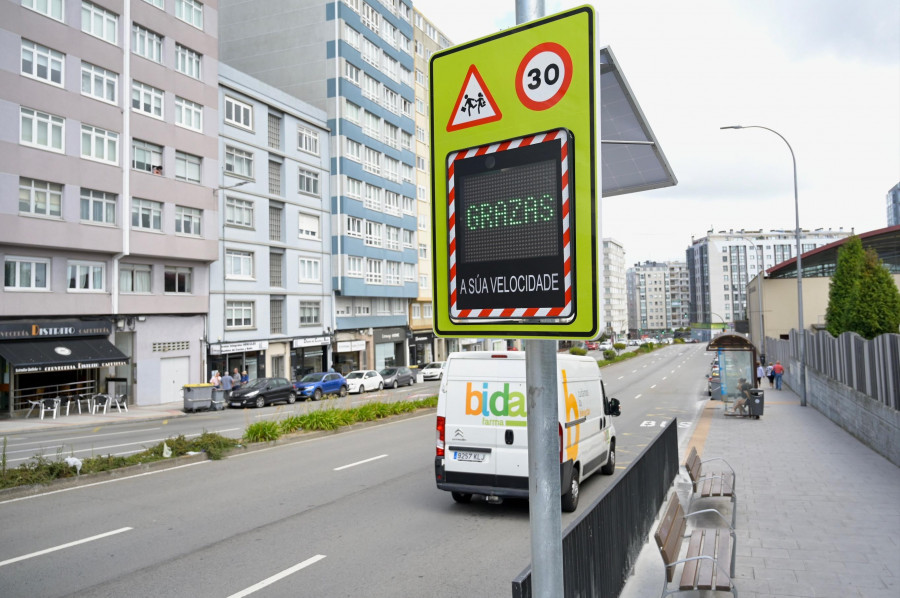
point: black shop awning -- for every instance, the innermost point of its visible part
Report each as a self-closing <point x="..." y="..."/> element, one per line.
<point x="61" y="354"/>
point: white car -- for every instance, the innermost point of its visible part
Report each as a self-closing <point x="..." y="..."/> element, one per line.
<point x="433" y="371"/>
<point x="606" y="346"/>
<point x="364" y="381"/>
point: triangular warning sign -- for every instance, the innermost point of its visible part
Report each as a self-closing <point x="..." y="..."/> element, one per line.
<point x="474" y="106"/>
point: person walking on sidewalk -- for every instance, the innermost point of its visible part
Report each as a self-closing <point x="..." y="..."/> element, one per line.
<point x="227" y="384"/>
<point x="778" y="370"/>
<point x="760" y="372"/>
<point x="770" y="374"/>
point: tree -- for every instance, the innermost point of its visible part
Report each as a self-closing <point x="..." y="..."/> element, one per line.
<point x="844" y="287"/>
<point x="876" y="309"/>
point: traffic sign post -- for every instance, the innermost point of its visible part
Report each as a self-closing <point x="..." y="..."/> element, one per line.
<point x="515" y="182"/>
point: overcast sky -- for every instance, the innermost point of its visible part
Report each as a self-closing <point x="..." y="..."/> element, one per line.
<point x="823" y="73"/>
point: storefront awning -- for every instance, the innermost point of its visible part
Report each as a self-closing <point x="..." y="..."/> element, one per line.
<point x="61" y="354"/>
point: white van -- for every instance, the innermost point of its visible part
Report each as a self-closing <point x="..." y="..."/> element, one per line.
<point x="482" y="439"/>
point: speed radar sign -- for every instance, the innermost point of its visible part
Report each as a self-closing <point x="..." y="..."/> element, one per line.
<point x="514" y="182"/>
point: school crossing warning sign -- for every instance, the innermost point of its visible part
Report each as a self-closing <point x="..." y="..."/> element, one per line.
<point x="514" y="182"/>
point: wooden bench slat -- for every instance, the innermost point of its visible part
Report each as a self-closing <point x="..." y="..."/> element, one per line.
<point x="689" y="573"/>
<point x="724" y="551"/>
<point x="707" y="568"/>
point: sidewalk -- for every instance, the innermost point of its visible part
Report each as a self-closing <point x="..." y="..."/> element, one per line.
<point x="75" y="419"/>
<point x="818" y="513"/>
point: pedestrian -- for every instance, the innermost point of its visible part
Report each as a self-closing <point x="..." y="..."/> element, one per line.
<point x="227" y="383"/>
<point x="245" y="378"/>
<point x="760" y="372"/>
<point x="236" y="377"/>
<point x="779" y="372"/>
<point x="770" y="374"/>
<point x="215" y="379"/>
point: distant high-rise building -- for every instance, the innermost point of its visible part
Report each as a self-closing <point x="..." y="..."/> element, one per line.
<point x="722" y="263"/>
<point x="615" y="302"/>
<point x="649" y="301"/>
<point x="354" y="60"/>
<point x="893" y="205"/>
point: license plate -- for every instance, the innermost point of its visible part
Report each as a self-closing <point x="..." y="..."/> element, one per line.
<point x="235" y="404"/>
<point x="468" y="456"/>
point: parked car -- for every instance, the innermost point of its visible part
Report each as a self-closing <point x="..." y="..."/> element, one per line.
<point x="262" y="391"/>
<point x="397" y="376"/>
<point x="606" y="346"/>
<point x="433" y="371"/>
<point x="321" y="383"/>
<point x="364" y="381"/>
<point x="591" y="345"/>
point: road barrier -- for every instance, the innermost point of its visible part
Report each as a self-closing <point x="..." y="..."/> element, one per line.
<point x="601" y="546"/>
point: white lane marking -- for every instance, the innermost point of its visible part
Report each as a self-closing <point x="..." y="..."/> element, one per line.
<point x="359" y="463"/>
<point x="103" y="482"/>
<point x="637" y="396"/>
<point x="673" y="371"/>
<point x="654" y="386"/>
<point x="634" y="371"/>
<point x="84" y="437"/>
<point x="62" y="546"/>
<point x="664" y="377"/>
<point x="620" y="377"/>
<point x="270" y="580"/>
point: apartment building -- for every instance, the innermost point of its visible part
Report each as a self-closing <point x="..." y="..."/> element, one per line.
<point x="679" y="314"/>
<point x="354" y="60"/>
<point x="108" y="117"/>
<point x="649" y="303"/>
<point x="425" y="347"/>
<point x="722" y="263"/>
<point x="615" y="297"/>
<point x="271" y="307"/>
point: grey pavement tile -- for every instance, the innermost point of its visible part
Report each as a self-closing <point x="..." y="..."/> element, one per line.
<point x="760" y="586"/>
<point x="823" y="565"/>
<point x="774" y="553"/>
<point x="853" y="580"/>
<point x="792" y="564"/>
<point x="776" y="576"/>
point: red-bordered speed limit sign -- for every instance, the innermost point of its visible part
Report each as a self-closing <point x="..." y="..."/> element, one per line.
<point x="543" y="76"/>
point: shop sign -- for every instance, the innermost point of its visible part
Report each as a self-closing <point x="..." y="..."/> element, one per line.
<point x="53" y="328"/>
<point x="311" y="341"/>
<point x="390" y="335"/>
<point x="64" y="367"/>
<point x="223" y="348"/>
<point x="423" y="338"/>
<point x="350" y="346"/>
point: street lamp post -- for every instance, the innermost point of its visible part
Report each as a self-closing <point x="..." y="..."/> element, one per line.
<point x="802" y="360"/>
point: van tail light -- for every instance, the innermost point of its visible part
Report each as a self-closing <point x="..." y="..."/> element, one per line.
<point x="441" y="425"/>
<point x="560" y="444"/>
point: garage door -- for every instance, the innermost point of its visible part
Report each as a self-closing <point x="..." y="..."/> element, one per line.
<point x="173" y="376"/>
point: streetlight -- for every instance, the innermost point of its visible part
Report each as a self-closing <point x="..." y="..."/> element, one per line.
<point x="802" y="373"/>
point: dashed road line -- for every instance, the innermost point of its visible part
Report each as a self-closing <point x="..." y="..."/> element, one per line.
<point x="278" y="576"/>
<point x="63" y="546"/>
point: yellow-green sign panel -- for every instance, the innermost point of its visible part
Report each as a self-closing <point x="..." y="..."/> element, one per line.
<point x="491" y="98"/>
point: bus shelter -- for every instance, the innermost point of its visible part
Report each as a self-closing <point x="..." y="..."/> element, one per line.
<point x="736" y="358"/>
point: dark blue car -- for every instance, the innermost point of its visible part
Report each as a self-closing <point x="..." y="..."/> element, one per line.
<point x="321" y="383"/>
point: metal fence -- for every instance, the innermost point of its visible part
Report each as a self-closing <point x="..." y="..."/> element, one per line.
<point x="871" y="367"/>
<point x="601" y="546"/>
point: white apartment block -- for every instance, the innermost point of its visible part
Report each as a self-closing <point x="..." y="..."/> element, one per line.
<point x="649" y="302"/>
<point x="615" y="298"/>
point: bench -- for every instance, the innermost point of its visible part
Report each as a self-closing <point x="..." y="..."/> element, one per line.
<point x="706" y="549"/>
<point x="716" y="485"/>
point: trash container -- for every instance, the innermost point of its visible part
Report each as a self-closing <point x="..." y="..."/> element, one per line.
<point x="756" y="403"/>
<point x="197" y="396"/>
<point x="219" y="397"/>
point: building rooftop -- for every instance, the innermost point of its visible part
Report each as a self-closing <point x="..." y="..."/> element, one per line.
<point x="822" y="261"/>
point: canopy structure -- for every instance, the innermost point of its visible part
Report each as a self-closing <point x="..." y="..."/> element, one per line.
<point x="61" y="354"/>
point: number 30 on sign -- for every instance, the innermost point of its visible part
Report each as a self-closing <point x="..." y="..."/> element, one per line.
<point x="543" y="76"/>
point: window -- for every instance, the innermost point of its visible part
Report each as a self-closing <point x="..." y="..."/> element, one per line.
<point x="276" y="213"/>
<point x="274" y="131"/>
<point x="25" y="273"/>
<point x="351" y="36"/>
<point x="416" y="311"/>
<point x="177" y="280"/>
<point x="276" y="269"/>
<point x="421" y="164"/>
<point x="146" y="43"/>
<point x="275" y="177"/>
<point x="363" y="309"/>
<point x="351" y="72"/>
<point x="354" y="150"/>
<point x="392" y="239"/>
<point x="353" y="188"/>
<point x="99" y="22"/>
<point x="86" y="276"/>
<point x="156" y="3"/>
<point x="392" y="203"/>
<point x="239" y="314"/>
<point x="409" y="272"/>
<point x="310" y="270"/>
<point x="276" y="318"/>
<point x="308" y="226"/>
<point x="382" y="306"/>
<point x="423" y="281"/>
<point x="374" y="234"/>
<point x="371" y="88"/>
<point x="370" y="17"/>
<point x="352" y="112"/>
<point x="372" y="125"/>
<point x="409" y="238"/>
<point x="187" y="61"/>
<point x="147" y="99"/>
<point x="239" y="264"/>
<point x="134" y="278"/>
<point x="354" y="227"/>
<point x="391" y="100"/>
<point x="238" y="162"/>
<point x="188" y="114"/>
<point x="309" y="182"/>
<point x="145" y="156"/>
<point x="373" y="197"/>
<point x="146" y="214"/>
<point x="373" y="161"/>
<point x="99" y="83"/>
<point x="406" y="172"/>
<point x="354" y="266"/>
<point x="310" y="313"/>
<point x="392" y="172"/>
<point x="40" y="197"/>
<point x="187" y="167"/>
<point x="307" y="140"/>
<point x="187" y="221"/>
<point x="42" y="63"/>
<point x="423" y="222"/>
<point x="392" y="135"/>
<point x="406" y="140"/>
<point x="40" y="129"/>
<point x="373" y="271"/>
<point x="423" y="251"/>
<point x="238" y="212"/>
<point x="392" y="273"/>
<point x="49" y="8"/>
<point x="99" y="144"/>
<point x="238" y="113"/>
<point x="405" y="107"/>
<point x="98" y="206"/>
<point x="426" y="310"/>
<point x="189" y="11"/>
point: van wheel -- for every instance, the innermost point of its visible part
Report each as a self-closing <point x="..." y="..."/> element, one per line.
<point x="610" y="466"/>
<point x="461" y="497"/>
<point x="570" y="498"/>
